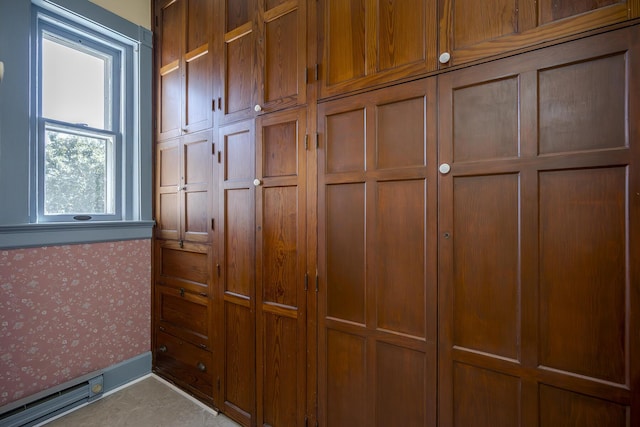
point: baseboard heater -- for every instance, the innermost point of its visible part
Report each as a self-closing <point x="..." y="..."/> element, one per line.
<point x="51" y="402"/>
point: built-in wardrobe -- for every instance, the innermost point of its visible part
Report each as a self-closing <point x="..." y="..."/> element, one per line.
<point x="411" y="212"/>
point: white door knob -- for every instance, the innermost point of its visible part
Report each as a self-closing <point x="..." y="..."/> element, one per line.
<point x="444" y="57"/>
<point x="444" y="168"/>
<point x="257" y="108"/>
<point x="256" y="182"/>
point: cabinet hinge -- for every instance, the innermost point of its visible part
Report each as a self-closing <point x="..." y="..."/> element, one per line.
<point x="317" y="143"/>
<point x="317" y="286"/>
<point x="306" y="142"/>
<point x="218" y="269"/>
<point x="213" y="148"/>
<point x="306" y="75"/>
<point x="218" y="384"/>
<point x="306" y="281"/>
<point x="219" y="157"/>
<point x="316" y="72"/>
<point x="306" y="421"/>
<point x="213" y="104"/>
<point x="156" y="20"/>
<point x="213" y="223"/>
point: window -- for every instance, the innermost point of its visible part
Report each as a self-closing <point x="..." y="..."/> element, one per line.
<point x="80" y="137"/>
<point x="82" y="172"/>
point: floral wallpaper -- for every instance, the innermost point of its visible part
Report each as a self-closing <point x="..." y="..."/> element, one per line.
<point x="69" y="310"/>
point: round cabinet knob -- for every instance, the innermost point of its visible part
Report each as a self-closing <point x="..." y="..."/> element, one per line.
<point x="257" y="182"/>
<point x="201" y="367"/>
<point x="163" y="349"/>
<point x="444" y="57"/>
<point x="257" y="108"/>
<point x="444" y="168"/>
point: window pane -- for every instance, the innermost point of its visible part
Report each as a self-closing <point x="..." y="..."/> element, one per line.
<point x="79" y="175"/>
<point x="75" y="83"/>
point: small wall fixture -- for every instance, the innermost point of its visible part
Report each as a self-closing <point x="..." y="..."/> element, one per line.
<point x="1" y="71"/>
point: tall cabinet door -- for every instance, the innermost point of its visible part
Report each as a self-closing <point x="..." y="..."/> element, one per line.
<point x="539" y="238"/>
<point x="236" y="306"/>
<point x="184" y="63"/>
<point x="377" y="258"/>
<point x="263" y="278"/>
<point x="281" y="268"/>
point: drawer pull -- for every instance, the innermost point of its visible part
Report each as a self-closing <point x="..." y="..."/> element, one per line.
<point x="163" y="349"/>
<point x="181" y="292"/>
<point x="201" y="367"/>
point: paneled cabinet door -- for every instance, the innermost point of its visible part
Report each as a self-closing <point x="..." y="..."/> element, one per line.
<point x="184" y="67"/>
<point x="184" y="188"/>
<point x="369" y="42"/>
<point x="263" y="58"/>
<point x="281" y="268"/>
<point x="235" y="295"/>
<point x="539" y="246"/>
<point x="262" y="288"/>
<point x="471" y="29"/>
<point x="377" y="294"/>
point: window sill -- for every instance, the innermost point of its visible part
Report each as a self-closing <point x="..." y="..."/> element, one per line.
<point x="65" y="233"/>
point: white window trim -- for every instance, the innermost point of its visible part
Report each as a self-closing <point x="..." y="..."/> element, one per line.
<point x="137" y="220"/>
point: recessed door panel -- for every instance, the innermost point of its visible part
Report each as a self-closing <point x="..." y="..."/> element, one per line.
<point x="346" y="367"/>
<point x="486" y="121"/>
<point x="282" y="48"/>
<point x="485" y="398"/>
<point x="400" y="267"/>
<point x="345" y="141"/>
<point x="402" y="377"/>
<point x="574" y="97"/>
<point x="583" y="265"/>
<point x="390" y="154"/>
<point x="563" y="407"/>
<point x="345" y="231"/>
<point x="486" y="284"/>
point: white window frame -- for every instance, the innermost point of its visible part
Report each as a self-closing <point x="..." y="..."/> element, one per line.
<point x="49" y="25"/>
<point x="19" y="222"/>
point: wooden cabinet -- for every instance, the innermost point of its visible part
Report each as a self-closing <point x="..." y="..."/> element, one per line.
<point x="472" y="30"/>
<point x="377" y="220"/>
<point x="263" y="277"/>
<point x="500" y="291"/>
<point x="369" y="42"/>
<point x="538" y="247"/>
<point x="263" y="56"/>
<point x="184" y="188"/>
<point x="183" y="323"/>
<point x="184" y="67"/>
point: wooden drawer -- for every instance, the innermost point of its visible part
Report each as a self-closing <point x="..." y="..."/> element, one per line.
<point x="187" y="266"/>
<point x="184" y="315"/>
<point x="187" y="365"/>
